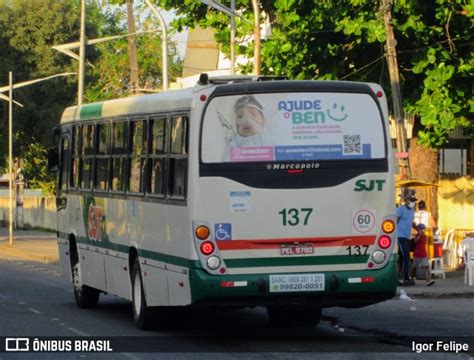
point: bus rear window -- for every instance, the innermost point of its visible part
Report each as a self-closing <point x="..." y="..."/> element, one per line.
<point x="292" y="127"/>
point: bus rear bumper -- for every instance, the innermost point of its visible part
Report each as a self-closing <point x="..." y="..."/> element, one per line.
<point x="341" y="288"/>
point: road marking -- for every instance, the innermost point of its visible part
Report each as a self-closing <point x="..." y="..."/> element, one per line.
<point x="130" y="356"/>
<point x="34" y="310"/>
<point x="77" y="331"/>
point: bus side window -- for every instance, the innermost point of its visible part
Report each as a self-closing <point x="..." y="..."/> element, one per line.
<point x="157" y="157"/>
<point x="102" y="156"/>
<point x="76" y="153"/>
<point x="178" y="162"/>
<point x="137" y="155"/>
<point x="63" y="164"/>
<point x="87" y="156"/>
<point x="119" y="155"/>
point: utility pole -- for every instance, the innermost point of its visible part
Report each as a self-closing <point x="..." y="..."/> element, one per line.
<point x="232" y="38"/>
<point x="256" y="36"/>
<point x="132" y="48"/>
<point x="10" y="155"/>
<point x="164" y="43"/>
<point x="82" y="55"/>
<point x="391" y="54"/>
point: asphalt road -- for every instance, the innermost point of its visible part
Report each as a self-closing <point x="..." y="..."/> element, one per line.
<point x="35" y="301"/>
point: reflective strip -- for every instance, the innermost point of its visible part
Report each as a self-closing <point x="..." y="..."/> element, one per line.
<point x="229" y="284"/>
<point x="365" y="279"/>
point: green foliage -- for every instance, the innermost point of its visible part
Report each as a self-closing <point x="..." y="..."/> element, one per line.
<point x="28" y="30"/>
<point x="346" y="39"/>
<point x="35" y="173"/>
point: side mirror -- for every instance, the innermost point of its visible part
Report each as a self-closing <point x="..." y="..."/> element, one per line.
<point x="53" y="159"/>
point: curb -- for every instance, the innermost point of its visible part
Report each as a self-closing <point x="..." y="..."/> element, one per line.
<point x="15" y="254"/>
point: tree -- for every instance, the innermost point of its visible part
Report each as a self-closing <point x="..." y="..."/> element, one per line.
<point x="28" y="30"/>
<point x="345" y="40"/>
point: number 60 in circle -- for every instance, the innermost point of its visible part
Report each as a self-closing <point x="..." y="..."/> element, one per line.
<point x="363" y="220"/>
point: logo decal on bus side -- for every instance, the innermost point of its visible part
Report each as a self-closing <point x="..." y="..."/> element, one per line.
<point x="93" y="212"/>
<point x="96" y="215"/>
<point x="369" y="185"/>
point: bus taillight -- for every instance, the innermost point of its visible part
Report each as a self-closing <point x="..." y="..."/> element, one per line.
<point x="384" y="242"/>
<point x="207" y="248"/>
<point x="202" y="232"/>
<point x="388" y="226"/>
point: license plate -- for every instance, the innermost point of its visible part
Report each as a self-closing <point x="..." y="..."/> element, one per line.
<point x="297" y="249"/>
<point x="296" y="282"/>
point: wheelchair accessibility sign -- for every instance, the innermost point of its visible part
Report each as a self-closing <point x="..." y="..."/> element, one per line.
<point x="223" y="231"/>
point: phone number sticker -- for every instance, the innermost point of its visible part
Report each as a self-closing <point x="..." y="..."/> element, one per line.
<point x="296" y="282"/>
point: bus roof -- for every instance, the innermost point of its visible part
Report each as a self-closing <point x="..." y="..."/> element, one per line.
<point x="134" y="105"/>
<point x="181" y="99"/>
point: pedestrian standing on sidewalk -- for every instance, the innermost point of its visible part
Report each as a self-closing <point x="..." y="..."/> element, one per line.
<point x="422" y="216"/>
<point x="405" y="216"/>
<point x="420" y="257"/>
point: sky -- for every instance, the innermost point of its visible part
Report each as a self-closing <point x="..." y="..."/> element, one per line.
<point x="179" y="38"/>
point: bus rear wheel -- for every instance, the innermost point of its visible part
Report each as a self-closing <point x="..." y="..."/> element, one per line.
<point x="294" y="315"/>
<point x="86" y="297"/>
<point x="142" y="314"/>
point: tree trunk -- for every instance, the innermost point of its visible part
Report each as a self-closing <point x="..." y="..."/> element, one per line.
<point x="132" y="48"/>
<point x="424" y="167"/>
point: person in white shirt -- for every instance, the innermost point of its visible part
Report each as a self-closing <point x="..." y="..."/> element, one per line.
<point x="422" y="216"/>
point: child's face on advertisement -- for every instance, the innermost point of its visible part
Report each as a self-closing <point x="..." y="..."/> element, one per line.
<point x="249" y="121"/>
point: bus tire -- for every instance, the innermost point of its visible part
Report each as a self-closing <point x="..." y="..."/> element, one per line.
<point x="294" y="315"/>
<point x="142" y="314"/>
<point x="86" y="296"/>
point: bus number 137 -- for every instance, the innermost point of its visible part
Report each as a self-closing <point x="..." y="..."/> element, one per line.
<point x="293" y="216"/>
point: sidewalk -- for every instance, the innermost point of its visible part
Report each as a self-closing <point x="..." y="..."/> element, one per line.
<point x="30" y="245"/>
<point x="451" y="287"/>
<point x="42" y="247"/>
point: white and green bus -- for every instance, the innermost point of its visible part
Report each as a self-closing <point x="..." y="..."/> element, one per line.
<point x="241" y="191"/>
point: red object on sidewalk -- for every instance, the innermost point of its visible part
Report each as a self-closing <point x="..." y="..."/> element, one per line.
<point x="438" y="249"/>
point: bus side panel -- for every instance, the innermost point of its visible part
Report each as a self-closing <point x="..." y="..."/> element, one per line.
<point x="180" y="288"/>
<point x="116" y="272"/>
<point x="64" y="261"/>
<point x="164" y="251"/>
<point x="116" y="259"/>
<point x="92" y="265"/>
<point x="156" y="285"/>
<point x="91" y="252"/>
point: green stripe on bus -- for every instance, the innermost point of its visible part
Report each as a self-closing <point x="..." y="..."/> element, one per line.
<point x="91" y="111"/>
<point x="169" y="259"/>
<point x="147" y="254"/>
<point x="296" y="261"/>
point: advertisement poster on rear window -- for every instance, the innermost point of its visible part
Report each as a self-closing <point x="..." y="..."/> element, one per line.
<point x="292" y="127"/>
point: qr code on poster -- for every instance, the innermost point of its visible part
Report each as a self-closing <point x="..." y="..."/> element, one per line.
<point x="352" y="145"/>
